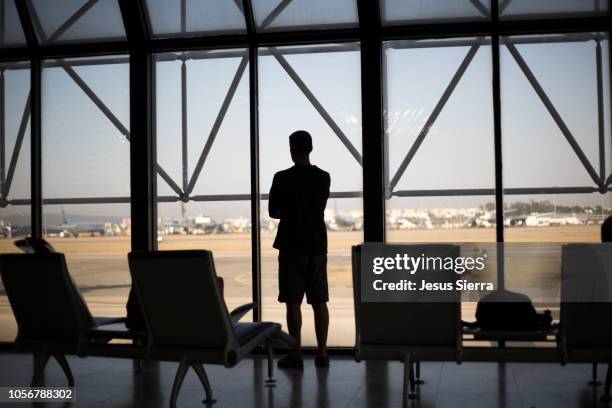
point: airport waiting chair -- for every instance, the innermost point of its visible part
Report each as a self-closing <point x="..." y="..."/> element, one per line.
<point x="52" y="316"/>
<point x="407" y="331"/>
<point x="187" y="319"/>
<point x="586" y="291"/>
<point x="432" y="332"/>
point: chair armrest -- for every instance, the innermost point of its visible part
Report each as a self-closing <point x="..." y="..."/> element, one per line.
<point x="239" y="312"/>
<point x="114" y="331"/>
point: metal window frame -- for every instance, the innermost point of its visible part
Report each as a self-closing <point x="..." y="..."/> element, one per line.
<point x="140" y="45"/>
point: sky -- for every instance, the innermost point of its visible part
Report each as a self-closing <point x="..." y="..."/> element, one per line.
<point x="84" y="155"/>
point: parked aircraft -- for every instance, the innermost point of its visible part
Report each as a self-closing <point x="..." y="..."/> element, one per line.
<point x="86" y="228"/>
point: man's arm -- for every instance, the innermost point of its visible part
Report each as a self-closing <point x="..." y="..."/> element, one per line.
<point x="273" y="200"/>
<point x="328" y="185"/>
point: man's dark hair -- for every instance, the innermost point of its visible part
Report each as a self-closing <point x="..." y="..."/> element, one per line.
<point x="300" y="143"/>
<point x="606" y="230"/>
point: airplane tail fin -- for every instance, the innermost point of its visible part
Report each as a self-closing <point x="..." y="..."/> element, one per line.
<point x="64" y="217"/>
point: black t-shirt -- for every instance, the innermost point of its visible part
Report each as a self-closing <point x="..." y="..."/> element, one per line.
<point x="298" y="197"/>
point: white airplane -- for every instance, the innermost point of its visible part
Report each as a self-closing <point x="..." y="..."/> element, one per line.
<point x="91" y="228"/>
<point x="5" y="232"/>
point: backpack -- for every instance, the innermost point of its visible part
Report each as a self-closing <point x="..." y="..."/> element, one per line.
<point x="506" y="310"/>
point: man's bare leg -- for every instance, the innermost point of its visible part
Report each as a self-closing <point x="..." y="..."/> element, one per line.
<point x="321" y="318"/>
<point x="294" y="324"/>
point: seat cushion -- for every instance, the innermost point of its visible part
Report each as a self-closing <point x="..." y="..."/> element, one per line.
<point x="246" y="332"/>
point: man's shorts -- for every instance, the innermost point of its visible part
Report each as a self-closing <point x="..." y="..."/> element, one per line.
<point x="302" y="274"/>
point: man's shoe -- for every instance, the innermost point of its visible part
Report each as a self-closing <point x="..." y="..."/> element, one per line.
<point x="291" y="362"/>
<point x="322" y="361"/>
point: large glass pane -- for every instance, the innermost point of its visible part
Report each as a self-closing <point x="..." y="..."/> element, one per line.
<point x="78" y="20"/>
<point x="425" y="11"/>
<point x="203" y="154"/>
<point x="191" y="17"/>
<point x="330" y="76"/>
<point x="439" y="133"/>
<point x="11" y="33"/>
<point x="14" y="171"/>
<point x="301" y="14"/>
<point x="440" y="178"/>
<point x="556" y="145"/>
<point x="86" y="174"/>
<point x="526" y="9"/>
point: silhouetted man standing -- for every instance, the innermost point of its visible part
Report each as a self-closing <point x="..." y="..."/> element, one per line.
<point x="298" y="197"/>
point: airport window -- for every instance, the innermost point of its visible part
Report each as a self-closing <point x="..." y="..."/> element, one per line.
<point x="530" y="9"/>
<point x="395" y="12"/>
<point x="76" y="20"/>
<point x="171" y="18"/>
<point x="317" y="89"/>
<point x="86" y="167"/>
<point x="14" y="171"/>
<point x="469" y="147"/>
<point x="11" y="33"/>
<point x="304" y="14"/>
<point x="203" y="161"/>
<point x="440" y="170"/>
<point x="556" y="136"/>
<point x="209" y="103"/>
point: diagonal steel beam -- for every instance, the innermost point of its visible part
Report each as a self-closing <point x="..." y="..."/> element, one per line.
<point x="274" y="13"/>
<point x="435" y="113"/>
<point x="6" y="188"/>
<point x="238" y="4"/>
<point x="94" y="98"/>
<point x="114" y="120"/>
<point x="503" y="5"/>
<point x="72" y="20"/>
<point x="250" y="21"/>
<point x="217" y="125"/>
<point x="38" y="28"/>
<point x="36" y="24"/>
<point x="166" y="177"/>
<point x="317" y="105"/>
<point x="553" y="111"/>
<point x="609" y="180"/>
<point x="24" y="9"/>
<point x="482" y="9"/>
<point x="135" y="21"/>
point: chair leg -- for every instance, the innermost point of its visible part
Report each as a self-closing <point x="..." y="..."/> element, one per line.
<point x="606" y="397"/>
<point x="61" y="360"/>
<point x="178" y="381"/>
<point x="138" y="363"/>
<point x="270" y="382"/>
<point x="40" y="362"/>
<point x="201" y="372"/>
<point x="409" y="386"/>
<point x="594" y="380"/>
<point x="418" y="380"/>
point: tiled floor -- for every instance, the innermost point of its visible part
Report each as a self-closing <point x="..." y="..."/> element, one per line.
<point x="103" y="382"/>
